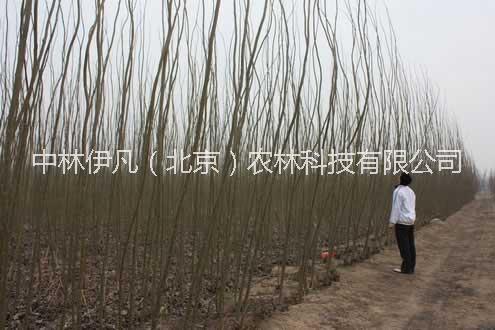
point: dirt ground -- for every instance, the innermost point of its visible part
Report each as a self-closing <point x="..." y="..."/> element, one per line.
<point x="453" y="288"/>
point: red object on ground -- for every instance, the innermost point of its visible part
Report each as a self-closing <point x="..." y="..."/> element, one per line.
<point x="325" y="255"/>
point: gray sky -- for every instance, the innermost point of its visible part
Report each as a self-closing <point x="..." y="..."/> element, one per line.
<point x="454" y="41"/>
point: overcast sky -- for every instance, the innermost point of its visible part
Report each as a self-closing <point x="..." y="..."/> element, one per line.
<point x="454" y="41"/>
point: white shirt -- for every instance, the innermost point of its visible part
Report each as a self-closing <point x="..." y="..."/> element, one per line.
<point x="403" y="206"/>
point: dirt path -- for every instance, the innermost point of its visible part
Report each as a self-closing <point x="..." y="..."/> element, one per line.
<point x="453" y="288"/>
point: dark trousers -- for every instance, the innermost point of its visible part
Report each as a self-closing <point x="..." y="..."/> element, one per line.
<point x="405" y="240"/>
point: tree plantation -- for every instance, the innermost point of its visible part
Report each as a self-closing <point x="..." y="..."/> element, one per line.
<point x="140" y="250"/>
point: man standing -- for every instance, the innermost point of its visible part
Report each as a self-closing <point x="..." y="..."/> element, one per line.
<point x="402" y="217"/>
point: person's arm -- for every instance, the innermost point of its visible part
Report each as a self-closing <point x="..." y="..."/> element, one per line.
<point x="394" y="213"/>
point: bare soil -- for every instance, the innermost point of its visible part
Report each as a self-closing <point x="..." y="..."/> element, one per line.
<point x="453" y="288"/>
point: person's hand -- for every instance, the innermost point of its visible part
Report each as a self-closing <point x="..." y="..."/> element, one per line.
<point x="391" y="225"/>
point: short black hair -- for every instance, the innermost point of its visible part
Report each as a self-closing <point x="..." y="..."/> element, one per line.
<point x="405" y="179"/>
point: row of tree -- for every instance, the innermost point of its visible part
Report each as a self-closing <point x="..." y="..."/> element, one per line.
<point x="284" y="77"/>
